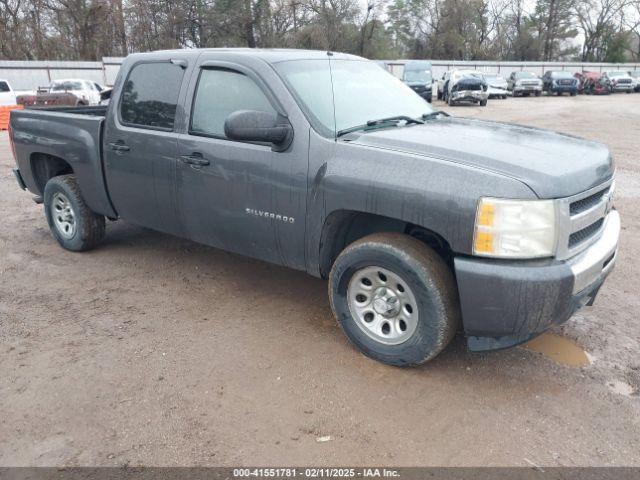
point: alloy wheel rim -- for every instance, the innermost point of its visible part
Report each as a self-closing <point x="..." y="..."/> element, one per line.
<point x="383" y="305"/>
<point x="64" y="217"/>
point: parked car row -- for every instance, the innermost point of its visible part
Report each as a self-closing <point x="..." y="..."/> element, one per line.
<point x="472" y="86"/>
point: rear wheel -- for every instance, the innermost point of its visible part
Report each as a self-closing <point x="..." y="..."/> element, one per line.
<point x="483" y="103"/>
<point x="72" y="224"/>
<point x="395" y="299"/>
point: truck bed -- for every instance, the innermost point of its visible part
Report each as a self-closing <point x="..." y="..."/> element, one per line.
<point x="93" y="111"/>
<point x="72" y="134"/>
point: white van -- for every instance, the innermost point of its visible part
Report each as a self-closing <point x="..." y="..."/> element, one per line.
<point x="7" y="95"/>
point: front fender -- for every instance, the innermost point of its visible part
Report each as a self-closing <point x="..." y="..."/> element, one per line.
<point x="435" y="194"/>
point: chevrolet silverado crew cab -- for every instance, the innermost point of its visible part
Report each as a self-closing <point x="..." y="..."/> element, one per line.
<point x="423" y="224"/>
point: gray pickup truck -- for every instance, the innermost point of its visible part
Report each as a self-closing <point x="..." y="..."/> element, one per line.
<point x="424" y="224"/>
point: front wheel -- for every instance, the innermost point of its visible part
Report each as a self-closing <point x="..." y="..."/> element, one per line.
<point x="483" y="103"/>
<point x="72" y="224"/>
<point x="395" y="298"/>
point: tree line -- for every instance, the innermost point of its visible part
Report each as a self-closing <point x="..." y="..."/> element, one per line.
<point x="534" y="30"/>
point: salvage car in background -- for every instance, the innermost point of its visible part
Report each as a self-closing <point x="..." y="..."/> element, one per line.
<point x="87" y="92"/>
<point x="559" y="82"/>
<point x="620" y="81"/>
<point x="7" y="95"/>
<point x="65" y="93"/>
<point x="581" y="77"/>
<point x="498" y="86"/>
<point x="594" y="83"/>
<point x="524" y="84"/>
<point x="465" y="86"/>
<point x="417" y="75"/>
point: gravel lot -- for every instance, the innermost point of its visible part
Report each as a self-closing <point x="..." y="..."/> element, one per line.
<point x="153" y="350"/>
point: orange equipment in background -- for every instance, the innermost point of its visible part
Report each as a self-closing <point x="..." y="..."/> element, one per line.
<point x="4" y="115"/>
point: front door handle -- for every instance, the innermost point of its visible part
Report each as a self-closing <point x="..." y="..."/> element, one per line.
<point x="119" y="146"/>
<point x="195" y="158"/>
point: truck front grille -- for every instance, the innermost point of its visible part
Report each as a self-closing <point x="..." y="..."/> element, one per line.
<point x="580" y="206"/>
<point x="582" y="219"/>
<point x="581" y="235"/>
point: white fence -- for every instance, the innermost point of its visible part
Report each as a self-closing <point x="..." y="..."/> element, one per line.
<point x="27" y="75"/>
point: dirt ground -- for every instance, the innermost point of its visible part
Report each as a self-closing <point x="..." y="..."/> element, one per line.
<point x="153" y="350"/>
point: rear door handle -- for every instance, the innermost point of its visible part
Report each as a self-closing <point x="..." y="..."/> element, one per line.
<point x="119" y="147"/>
<point x="195" y="158"/>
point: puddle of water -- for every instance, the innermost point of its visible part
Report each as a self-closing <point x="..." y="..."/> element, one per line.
<point x="559" y="349"/>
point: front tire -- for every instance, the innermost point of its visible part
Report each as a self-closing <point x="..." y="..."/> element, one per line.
<point x="483" y="103"/>
<point x="395" y="298"/>
<point x="72" y="223"/>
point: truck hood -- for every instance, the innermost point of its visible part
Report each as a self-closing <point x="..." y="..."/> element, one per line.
<point x="552" y="164"/>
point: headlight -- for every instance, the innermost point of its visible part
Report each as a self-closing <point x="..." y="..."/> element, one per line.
<point x="515" y="228"/>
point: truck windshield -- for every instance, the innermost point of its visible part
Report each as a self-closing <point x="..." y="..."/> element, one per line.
<point x="416" y="76"/>
<point x="525" y="75"/>
<point x="360" y="90"/>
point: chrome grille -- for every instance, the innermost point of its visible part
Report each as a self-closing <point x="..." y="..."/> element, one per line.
<point x="581" y="235"/>
<point x="582" y="218"/>
<point x="586" y="203"/>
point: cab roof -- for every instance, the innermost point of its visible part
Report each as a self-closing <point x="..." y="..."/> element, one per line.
<point x="269" y="55"/>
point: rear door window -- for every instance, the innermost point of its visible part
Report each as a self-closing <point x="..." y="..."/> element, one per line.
<point x="221" y="92"/>
<point x="150" y="95"/>
<point x="4" y="87"/>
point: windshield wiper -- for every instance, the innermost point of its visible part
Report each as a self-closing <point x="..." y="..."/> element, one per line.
<point x="435" y="113"/>
<point x="380" y="122"/>
<point x="396" y="119"/>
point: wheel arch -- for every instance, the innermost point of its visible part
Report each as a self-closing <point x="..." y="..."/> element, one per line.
<point x="45" y="166"/>
<point x="343" y="227"/>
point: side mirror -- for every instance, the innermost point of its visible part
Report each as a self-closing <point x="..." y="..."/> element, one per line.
<point x="255" y="126"/>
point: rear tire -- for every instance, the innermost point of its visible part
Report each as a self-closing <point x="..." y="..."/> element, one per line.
<point x="483" y="103"/>
<point x="423" y="318"/>
<point x="72" y="224"/>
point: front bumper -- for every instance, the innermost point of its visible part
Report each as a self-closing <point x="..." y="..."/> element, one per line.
<point x="563" y="88"/>
<point x="424" y="91"/>
<point x="497" y="91"/>
<point x="469" y="95"/>
<point x="505" y="303"/>
<point x="625" y="87"/>
<point x="527" y="88"/>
